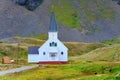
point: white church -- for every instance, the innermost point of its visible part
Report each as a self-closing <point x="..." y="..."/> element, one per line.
<point x="52" y="51"/>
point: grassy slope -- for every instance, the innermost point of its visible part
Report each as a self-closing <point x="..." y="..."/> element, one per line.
<point x="75" y="48"/>
<point x="107" y="53"/>
<point x="66" y="13"/>
<point x="88" y="51"/>
<point x="80" y="69"/>
<point x="69" y="14"/>
<point x="103" y="54"/>
<point x="113" y="41"/>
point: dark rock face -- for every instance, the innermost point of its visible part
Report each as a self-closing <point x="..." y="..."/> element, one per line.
<point x="30" y="4"/>
<point x="33" y="4"/>
<point x="22" y="2"/>
<point x="118" y="3"/>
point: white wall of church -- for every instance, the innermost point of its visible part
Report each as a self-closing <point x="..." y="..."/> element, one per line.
<point x="63" y="56"/>
<point x="33" y="58"/>
<point x="47" y="49"/>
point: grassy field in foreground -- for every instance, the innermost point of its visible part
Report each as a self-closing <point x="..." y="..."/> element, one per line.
<point x="78" y="70"/>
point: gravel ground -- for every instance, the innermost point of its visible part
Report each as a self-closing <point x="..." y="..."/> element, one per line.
<point x="17" y="70"/>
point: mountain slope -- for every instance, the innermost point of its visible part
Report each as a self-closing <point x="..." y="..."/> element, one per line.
<point x="88" y="21"/>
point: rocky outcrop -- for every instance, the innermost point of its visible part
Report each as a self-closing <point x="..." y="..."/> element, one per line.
<point x="30" y="4"/>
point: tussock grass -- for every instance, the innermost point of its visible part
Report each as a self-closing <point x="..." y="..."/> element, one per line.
<point x="82" y="48"/>
<point x="113" y="41"/>
<point x="103" y="54"/>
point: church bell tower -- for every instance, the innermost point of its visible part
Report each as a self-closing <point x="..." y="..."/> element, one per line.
<point x="53" y="33"/>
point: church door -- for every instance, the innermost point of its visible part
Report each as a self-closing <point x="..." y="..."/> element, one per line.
<point x="53" y="56"/>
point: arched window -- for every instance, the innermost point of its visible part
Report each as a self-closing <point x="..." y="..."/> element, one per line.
<point x="55" y="44"/>
<point x="62" y="53"/>
<point x="44" y="53"/>
<point x="50" y="44"/>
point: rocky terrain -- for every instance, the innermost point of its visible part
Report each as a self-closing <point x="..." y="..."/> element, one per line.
<point x="88" y="21"/>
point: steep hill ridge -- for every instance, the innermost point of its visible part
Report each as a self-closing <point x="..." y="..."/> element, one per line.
<point x="88" y="21"/>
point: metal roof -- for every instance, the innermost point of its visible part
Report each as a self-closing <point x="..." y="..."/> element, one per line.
<point x="33" y="50"/>
<point x="53" y="25"/>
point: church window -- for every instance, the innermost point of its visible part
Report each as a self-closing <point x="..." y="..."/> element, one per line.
<point x="50" y="44"/>
<point x="44" y="53"/>
<point x="55" y="44"/>
<point x="62" y="53"/>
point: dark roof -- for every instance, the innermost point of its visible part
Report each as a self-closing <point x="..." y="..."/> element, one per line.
<point x="33" y="50"/>
<point x="53" y="25"/>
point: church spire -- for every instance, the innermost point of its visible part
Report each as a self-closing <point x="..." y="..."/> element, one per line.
<point x="53" y="25"/>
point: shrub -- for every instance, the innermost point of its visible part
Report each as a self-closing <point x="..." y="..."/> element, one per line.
<point x="4" y="53"/>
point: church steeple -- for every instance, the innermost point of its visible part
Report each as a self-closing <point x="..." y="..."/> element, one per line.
<point x="53" y="34"/>
<point x="53" y="25"/>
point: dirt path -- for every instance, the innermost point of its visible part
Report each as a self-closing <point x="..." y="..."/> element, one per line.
<point x="17" y="70"/>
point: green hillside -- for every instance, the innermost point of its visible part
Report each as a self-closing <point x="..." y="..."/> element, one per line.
<point x="81" y="13"/>
<point x="87" y="61"/>
<point x="110" y="52"/>
<point x="113" y="41"/>
<point x="20" y="48"/>
<point x="85" y="51"/>
<point x="103" y="54"/>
